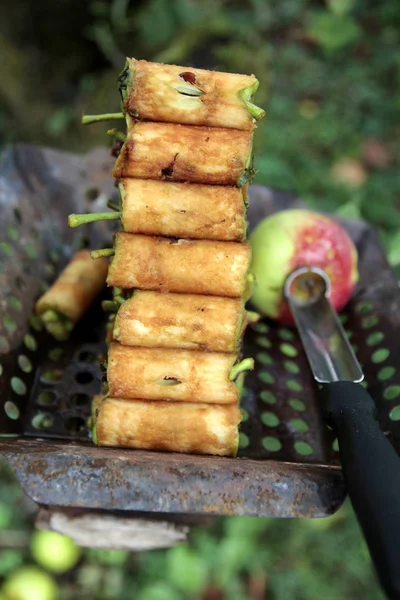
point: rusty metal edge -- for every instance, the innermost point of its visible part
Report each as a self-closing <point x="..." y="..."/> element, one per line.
<point x="79" y="475"/>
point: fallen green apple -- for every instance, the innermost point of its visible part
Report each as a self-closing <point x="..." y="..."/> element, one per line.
<point x="291" y="239"/>
<point x="54" y="551"/>
<point x="29" y="583"/>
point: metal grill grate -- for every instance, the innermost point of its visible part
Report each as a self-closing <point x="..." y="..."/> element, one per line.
<point x="287" y="464"/>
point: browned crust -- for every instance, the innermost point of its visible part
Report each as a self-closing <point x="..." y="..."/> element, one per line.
<point x="153" y="97"/>
<point x="76" y="287"/>
<point x="151" y="319"/>
<point x="199" y="376"/>
<point x="183" y="210"/>
<point x="207" y="155"/>
<point x="169" y="426"/>
<point x="185" y="266"/>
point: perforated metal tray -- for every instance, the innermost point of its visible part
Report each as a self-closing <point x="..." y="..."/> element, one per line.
<point x="287" y="465"/>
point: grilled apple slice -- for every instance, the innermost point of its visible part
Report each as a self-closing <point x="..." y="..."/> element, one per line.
<point x="172" y="152"/>
<point x="193" y="322"/>
<point x="166" y="374"/>
<point x="185" y="266"/>
<point x="158" y="92"/>
<point x="187" y="210"/>
<point x="67" y="300"/>
<point x="168" y="426"/>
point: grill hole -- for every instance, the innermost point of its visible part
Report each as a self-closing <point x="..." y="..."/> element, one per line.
<point x="391" y="392"/>
<point x="335" y="445"/>
<point x="299" y="425"/>
<point x="18" y="386"/>
<point x="293" y="385"/>
<point x="386" y="373"/>
<point x="55" y="354"/>
<point x="380" y="355"/>
<point x="20" y="283"/>
<point x="9" y="323"/>
<point x="263" y="342"/>
<point x="14" y="303"/>
<point x="49" y="270"/>
<point x="4" y="345"/>
<point x="24" y="363"/>
<point x="243" y="440"/>
<point x="79" y="400"/>
<point x="46" y="398"/>
<point x="303" y="448"/>
<point x="369" y="322"/>
<point x="83" y="377"/>
<point x="17" y="215"/>
<point x="1" y="369"/>
<point x="266" y="377"/>
<point x="35" y="323"/>
<point x="87" y="356"/>
<point x="12" y="232"/>
<point x="395" y="413"/>
<point x="286" y="334"/>
<point x="11" y="410"/>
<point x="54" y="256"/>
<point x="288" y="350"/>
<point x="30" y="342"/>
<point x="363" y="308"/>
<point x="31" y="251"/>
<point x="260" y="327"/>
<point x="51" y="376"/>
<point x="42" y="421"/>
<point x="270" y="419"/>
<point x="297" y="404"/>
<point x="271" y="444"/>
<point x="6" y="248"/>
<point x="267" y="397"/>
<point x="291" y="367"/>
<point x="74" y="424"/>
<point x="375" y="338"/>
<point x="264" y="358"/>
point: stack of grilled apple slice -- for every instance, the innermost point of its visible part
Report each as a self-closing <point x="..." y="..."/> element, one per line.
<point x="180" y="262"/>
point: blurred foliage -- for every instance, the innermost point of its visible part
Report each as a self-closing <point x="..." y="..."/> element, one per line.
<point x="240" y="558"/>
<point x="329" y="75"/>
<point x="328" y="72"/>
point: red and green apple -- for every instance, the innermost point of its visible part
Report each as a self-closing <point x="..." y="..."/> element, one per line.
<point x="297" y="238"/>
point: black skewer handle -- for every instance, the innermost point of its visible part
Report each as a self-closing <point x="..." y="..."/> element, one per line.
<point x="371" y="469"/>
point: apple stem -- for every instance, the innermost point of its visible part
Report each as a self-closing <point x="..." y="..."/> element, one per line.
<point x="103" y="252"/>
<point x="253" y="317"/>
<point x="247" y="364"/>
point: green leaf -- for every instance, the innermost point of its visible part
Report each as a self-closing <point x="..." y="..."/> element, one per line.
<point x="341" y="7"/>
<point x="394" y="249"/>
<point x="6" y="515"/>
<point x="9" y="560"/>
<point x="187" y="570"/>
<point x="350" y="210"/>
<point x="160" y="590"/>
<point x="333" y="31"/>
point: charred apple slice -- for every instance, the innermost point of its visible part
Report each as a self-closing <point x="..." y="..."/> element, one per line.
<point x="185" y="266"/>
<point x="63" y="305"/>
<point x="168" y="426"/>
<point x="184" y="153"/>
<point x="187" y="210"/>
<point x="166" y="374"/>
<point x="194" y="322"/>
<point x="158" y="92"/>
